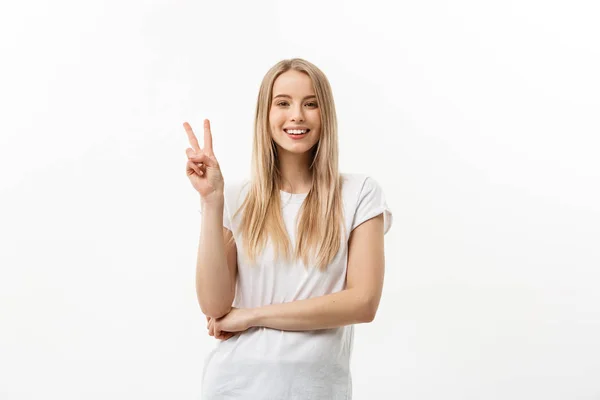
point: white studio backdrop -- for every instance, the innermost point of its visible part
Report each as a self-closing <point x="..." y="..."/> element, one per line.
<point x="479" y="120"/>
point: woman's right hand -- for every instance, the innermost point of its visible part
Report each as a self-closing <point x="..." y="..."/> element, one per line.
<point x="202" y="167"/>
<point x="222" y="335"/>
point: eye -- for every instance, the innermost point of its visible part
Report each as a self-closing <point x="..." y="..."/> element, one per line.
<point x="285" y="103"/>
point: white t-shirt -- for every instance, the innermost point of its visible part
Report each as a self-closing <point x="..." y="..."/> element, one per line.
<point x="270" y="364"/>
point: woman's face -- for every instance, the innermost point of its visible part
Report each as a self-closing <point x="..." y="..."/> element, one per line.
<point x="294" y="107"/>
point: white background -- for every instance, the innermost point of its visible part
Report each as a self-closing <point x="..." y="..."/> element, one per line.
<point x="478" y="118"/>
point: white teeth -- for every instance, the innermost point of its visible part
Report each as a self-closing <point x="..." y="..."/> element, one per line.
<point x="296" y="131"/>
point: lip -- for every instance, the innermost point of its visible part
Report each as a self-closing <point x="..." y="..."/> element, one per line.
<point x="296" y="137"/>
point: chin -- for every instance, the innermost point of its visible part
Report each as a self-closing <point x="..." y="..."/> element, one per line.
<point x="295" y="146"/>
<point x="296" y="149"/>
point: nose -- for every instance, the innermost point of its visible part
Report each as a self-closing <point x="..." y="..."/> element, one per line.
<point x="297" y="114"/>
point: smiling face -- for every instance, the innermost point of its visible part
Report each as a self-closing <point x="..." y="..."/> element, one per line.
<point x="295" y="116"/>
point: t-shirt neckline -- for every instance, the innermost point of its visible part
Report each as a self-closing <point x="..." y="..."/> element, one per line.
<point x="292" y="197"/>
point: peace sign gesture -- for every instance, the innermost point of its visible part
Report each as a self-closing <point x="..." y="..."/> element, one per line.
<point x="202" y="167"/>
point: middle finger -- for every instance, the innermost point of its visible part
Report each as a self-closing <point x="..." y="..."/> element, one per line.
<point x="208" y="138"/>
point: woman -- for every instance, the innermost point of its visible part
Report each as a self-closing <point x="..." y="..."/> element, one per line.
<point x="290" y="259"/>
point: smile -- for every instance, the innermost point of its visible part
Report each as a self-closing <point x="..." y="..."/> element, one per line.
<point x="298" y="132"/>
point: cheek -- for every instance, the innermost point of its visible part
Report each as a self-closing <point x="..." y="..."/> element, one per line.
<point x="275" y="114"/>
<point x="316" y="117"/>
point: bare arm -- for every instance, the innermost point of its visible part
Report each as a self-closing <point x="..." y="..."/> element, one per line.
<point x="216" y="265"/>
<point x="358" y="303"/>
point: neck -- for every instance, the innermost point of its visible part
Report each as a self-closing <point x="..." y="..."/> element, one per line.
<point x="295" y="173"/>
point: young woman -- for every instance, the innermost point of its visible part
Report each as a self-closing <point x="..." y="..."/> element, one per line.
<point x="290" y="258"/>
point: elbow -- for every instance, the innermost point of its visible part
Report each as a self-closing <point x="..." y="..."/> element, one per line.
<point x="215" y="308"/>
<point x="369" y="316"/>
<point x="218" y="313"/>
<point x="214" y="304"/>
<point x="369" y="310"/>
<point x="215" y="311"/>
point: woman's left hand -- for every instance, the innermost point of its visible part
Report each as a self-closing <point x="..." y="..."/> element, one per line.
<point x="237" y="320"/>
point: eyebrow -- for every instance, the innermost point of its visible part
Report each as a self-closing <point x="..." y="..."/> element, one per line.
<point x="289" y="97"/>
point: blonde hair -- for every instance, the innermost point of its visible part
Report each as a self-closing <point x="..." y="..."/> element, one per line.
<point x="320" y="224"/>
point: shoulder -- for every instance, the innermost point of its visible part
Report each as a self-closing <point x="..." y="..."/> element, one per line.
<point x="235" y="191"/>
<point x="365" y="198"/>
<point x="357" y="184"/>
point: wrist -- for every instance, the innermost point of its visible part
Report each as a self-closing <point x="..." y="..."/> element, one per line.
<point x="254" y="317"/>
<point x="215" y="201"/>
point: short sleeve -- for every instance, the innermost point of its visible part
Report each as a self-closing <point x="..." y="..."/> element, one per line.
<point x="371" y="203"/>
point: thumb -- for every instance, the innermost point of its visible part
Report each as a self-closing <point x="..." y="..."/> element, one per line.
<point x="209" y="161"/>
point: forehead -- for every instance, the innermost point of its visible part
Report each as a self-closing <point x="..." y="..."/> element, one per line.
<point x="293" y="83"/>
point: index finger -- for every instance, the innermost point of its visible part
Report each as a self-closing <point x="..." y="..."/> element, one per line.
<point x="191" y="137"/>
<point x="208" y="138"/>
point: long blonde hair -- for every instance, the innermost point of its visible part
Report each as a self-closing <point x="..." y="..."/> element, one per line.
<point x="320" y="225"/>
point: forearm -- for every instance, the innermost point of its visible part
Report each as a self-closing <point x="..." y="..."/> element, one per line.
<point x="347" y="307"/>
<point x="213" y="280"/>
